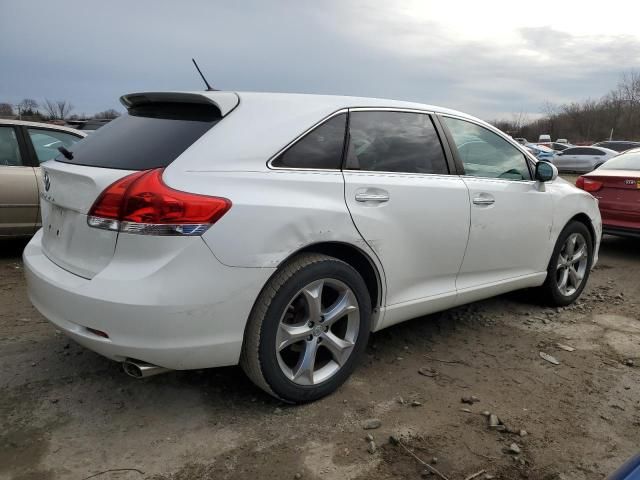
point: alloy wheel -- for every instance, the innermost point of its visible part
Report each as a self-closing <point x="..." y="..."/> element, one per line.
<point x="572" y="264"/>
<point x="318" y="331"/>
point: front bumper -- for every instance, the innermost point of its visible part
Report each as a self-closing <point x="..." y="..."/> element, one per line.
<point x="164" y="300"/>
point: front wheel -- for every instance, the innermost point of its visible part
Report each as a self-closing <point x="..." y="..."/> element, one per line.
<point x="570" y="265"/>
<point x="308" y="328"/>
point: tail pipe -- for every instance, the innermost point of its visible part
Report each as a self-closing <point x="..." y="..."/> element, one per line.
<point x="139" y="369"/>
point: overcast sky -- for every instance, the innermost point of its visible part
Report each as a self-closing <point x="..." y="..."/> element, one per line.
<point x="488" y="58"/>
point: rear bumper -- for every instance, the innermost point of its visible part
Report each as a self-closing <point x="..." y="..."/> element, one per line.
<point x="164" y="300"/>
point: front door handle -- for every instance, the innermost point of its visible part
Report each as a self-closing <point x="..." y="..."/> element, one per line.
<point x="372" y="197"/>
<point x="483" y="201"/>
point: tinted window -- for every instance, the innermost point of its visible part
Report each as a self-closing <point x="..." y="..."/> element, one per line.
<point x="573" y="151"/>
<point x="617" y="146"/>
<point x="9" y="149"/>
<point x="148" y="136"/>
<point x="485" y="154"/>
<point x="46" y="142"/>
<point x="321" y="148"/>
<point x="394" y="142"/>
<point x="590" y="151"/>
<point x="626" y="161"/>
<point x="621" y="147"/>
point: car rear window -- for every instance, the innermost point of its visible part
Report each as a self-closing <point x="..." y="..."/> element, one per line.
<point x="626" y="161"/>
<point x="147" y="136"/>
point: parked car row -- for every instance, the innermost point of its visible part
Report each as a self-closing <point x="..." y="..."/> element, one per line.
<point x="576" y="158"/>
<point x="582" y="159"/>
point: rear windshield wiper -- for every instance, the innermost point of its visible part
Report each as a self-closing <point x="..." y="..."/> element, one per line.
<point x="67" y="154"/>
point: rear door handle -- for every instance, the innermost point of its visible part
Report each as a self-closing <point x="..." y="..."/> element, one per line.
<point x="372" y="197"/>
<point x="483" y="201"/>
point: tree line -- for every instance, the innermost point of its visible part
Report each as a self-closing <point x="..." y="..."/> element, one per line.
<point x="616" y="115"/>
<point x="30" y="109"/>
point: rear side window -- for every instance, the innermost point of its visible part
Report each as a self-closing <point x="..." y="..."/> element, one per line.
<point x="573" y="151"/>
<point x="394" y="142"/>
<point x="148" y="136"/>
<point x="583" y="151"/>
<point x="319" y="149"/>
<point x="47" y="142"/>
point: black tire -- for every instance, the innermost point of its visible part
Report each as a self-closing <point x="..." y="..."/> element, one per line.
<point x="260" y="359"/>
<point x="550" y="291"/>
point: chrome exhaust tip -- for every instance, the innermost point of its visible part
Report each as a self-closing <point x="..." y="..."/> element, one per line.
<point x="139" y="369"/>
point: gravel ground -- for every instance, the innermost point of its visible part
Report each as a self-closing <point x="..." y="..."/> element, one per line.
<point x="67" y="413"/>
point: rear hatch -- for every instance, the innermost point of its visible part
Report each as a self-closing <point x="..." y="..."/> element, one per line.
<point x="157" y="129"/>
<point x="619" y="196"/>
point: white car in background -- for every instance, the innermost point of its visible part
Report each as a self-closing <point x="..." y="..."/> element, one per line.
<point x="277" y="231"/>
<point x="582" y="159"/>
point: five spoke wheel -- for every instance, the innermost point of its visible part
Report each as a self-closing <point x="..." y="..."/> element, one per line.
<point x="317" y="331"/>
<point x="572" y="264"/>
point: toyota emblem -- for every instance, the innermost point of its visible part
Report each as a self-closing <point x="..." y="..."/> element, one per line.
<point x="47" y="182"/>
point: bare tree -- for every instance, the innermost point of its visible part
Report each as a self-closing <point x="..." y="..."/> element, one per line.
<point x="108" y="114"/>
<point x="64" y="108"/>
<point x="28" y="107"/>
<point x="58" y="110"/>
<point x="28" y="104"/>
<point x="589" y="120"/>
<point x="50" y="108"/>
<point x="6" y="110"/>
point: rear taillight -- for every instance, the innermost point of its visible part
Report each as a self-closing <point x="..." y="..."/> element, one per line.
<point x="588" y="185"/>
<point x="142" y="203"/>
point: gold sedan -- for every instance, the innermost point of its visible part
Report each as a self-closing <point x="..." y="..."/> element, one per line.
<point x="23" y="147"/>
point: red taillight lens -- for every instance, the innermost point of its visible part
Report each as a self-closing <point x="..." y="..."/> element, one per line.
<point x="109" y="202"/>
<point x="588" y="185"/>
<point x="143" y="203"/>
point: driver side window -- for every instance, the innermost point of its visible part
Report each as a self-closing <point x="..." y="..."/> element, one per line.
<point x="485" y="154"/>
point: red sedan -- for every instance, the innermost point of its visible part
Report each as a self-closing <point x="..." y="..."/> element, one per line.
<point x="616" y="184"/>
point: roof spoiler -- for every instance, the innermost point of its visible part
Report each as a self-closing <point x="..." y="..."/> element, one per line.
<point x="225" y="101"/>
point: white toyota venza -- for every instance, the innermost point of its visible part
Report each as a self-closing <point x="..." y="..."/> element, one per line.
<point x="276" y="231"/>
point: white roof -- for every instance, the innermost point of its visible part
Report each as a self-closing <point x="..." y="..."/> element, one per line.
<point x="261" y="124"/>
<point x="50" y="126"/>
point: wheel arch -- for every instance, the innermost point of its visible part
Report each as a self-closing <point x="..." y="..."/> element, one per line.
<point x="357" y="258"/>
<point x="584" y="219"/>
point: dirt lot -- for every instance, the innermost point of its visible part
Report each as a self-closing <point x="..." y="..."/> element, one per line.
<point x="66" y="413"/>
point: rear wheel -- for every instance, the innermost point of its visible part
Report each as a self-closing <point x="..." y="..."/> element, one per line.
<point x="308" y="328"/>
<point x="570" y="265"/>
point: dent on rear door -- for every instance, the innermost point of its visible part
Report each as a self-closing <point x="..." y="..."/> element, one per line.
<point x="276" y="213"/>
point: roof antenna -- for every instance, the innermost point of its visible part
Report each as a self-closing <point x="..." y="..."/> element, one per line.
<point x="209" y="87"/>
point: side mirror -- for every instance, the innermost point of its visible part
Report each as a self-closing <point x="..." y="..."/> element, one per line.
<point x="546" y="172"/>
